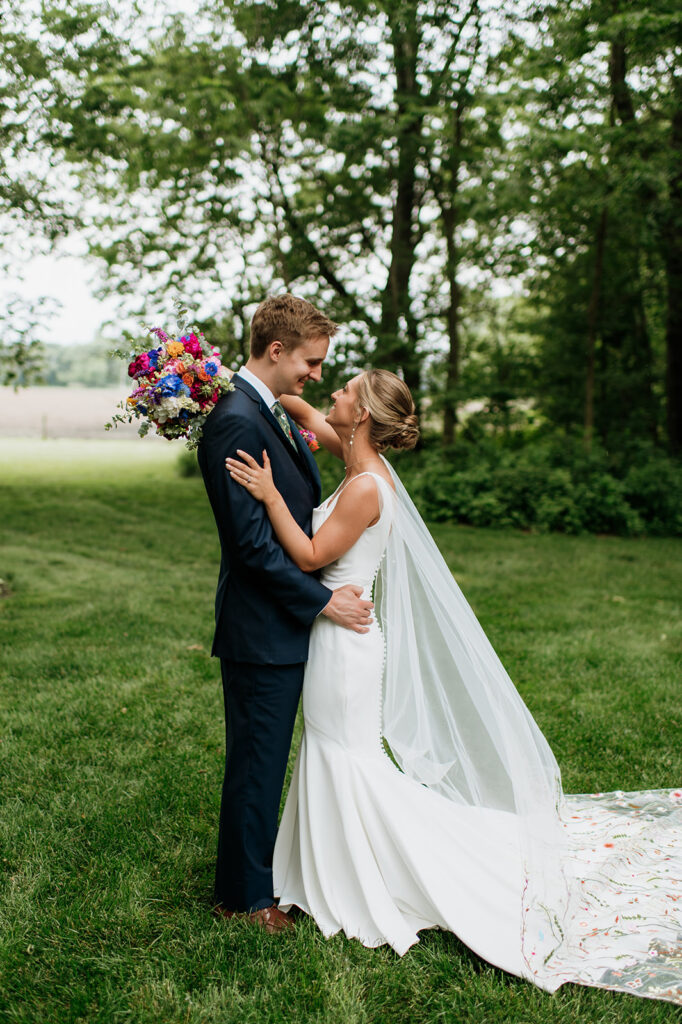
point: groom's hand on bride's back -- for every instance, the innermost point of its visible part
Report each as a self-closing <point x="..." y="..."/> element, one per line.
<point x="347" y="608"/>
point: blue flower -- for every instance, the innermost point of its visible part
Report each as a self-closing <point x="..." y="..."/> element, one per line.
<point x="154" y="357"/>
<point x="211" y="368"/>
<point x="171" y="384"/>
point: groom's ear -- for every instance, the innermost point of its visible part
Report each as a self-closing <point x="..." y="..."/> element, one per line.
<point x="275" y="349"/>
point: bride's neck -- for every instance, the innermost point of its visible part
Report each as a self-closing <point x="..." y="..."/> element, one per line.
<point x="359" y="456"/>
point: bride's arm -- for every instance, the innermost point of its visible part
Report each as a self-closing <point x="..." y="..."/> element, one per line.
<point x="356" y="508"/>
<point x="312" y="419"/>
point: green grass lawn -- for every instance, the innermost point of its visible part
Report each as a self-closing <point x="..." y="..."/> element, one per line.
<point x="111" y="748"/>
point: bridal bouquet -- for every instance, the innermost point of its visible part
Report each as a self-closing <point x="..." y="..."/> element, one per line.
<point x="177" y="384"/>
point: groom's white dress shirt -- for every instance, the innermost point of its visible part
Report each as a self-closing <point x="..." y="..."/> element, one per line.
<point x="255" y="382"/>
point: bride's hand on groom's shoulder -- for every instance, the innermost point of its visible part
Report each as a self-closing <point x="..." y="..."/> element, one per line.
<point x="257" y="480"/>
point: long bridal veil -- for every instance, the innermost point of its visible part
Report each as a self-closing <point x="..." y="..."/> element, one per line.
<point x="454" y="722"/>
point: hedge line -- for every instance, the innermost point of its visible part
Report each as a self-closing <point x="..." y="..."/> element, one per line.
<point x="539" y="484"/>
<point x="547" y="485"/>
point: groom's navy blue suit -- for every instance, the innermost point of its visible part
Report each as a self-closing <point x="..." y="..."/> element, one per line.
<point x="265" y="606"/>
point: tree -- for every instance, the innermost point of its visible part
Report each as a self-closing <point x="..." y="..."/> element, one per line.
<point x="598" y="118"/>
<point x="672" y="237"/>
<point x="299" y="145"/>
<point x="388" y="160"/>
<point x="28" y="202"/>
<point x="22" y="349"/>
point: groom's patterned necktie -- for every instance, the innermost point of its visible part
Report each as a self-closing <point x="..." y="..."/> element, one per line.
<point x="278" y="412"/>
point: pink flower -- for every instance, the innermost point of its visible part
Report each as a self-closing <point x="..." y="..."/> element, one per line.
<point x="193" y="346"/>
<point x="139" y="366"/>
<point x="309" y="438"/>
<point x="175" y="366"/>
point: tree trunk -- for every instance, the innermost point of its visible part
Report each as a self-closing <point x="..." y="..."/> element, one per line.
<point x="452" y="376"/>
<point x="592" y="316"/>
<point x="673" y="268"/>
<point x="637" y="402"/>
<point x="448" y="205"/>
<point x="620" y="93"/>
<point x="396" y="344"/>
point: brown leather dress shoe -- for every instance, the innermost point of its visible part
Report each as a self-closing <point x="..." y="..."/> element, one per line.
<point x="271" y="918"/>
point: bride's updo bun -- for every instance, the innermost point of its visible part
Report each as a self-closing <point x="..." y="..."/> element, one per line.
<point x="387" y="398"/>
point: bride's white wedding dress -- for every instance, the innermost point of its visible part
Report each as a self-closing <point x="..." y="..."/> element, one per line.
<point x="365" y="848"/>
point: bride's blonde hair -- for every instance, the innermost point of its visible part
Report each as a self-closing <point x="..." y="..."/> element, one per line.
<point x="387" y="398"/>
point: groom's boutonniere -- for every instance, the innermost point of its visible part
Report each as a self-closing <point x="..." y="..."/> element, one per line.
<point x="309" y="438"/>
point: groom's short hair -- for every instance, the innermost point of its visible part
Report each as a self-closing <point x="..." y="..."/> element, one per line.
<point x="290" y="320"/>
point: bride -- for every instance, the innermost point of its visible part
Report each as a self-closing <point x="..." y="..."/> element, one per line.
<point x="424" y="794"/>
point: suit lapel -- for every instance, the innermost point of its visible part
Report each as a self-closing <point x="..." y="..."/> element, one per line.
<point x="306" y="456"/>
<point x="301" y="455"/>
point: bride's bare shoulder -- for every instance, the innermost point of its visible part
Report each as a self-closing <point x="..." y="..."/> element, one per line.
<point x="363" y="483"/>
<point x="360" y="500"/>
<point x="385" y="475"/>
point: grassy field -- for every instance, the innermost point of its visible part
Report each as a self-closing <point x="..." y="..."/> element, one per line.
<point x="111" y="746"/>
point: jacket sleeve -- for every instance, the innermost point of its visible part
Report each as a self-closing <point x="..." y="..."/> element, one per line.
<point x="251" y="541"/>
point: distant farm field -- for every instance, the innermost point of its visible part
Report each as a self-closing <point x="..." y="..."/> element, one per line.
<point x="111" y="747"/>
<point x="51" y="412"/>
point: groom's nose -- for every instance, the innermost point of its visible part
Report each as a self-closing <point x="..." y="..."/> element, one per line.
<point x="316" y="373"/>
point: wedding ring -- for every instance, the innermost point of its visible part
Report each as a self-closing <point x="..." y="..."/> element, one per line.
<point x="248" y="479"/>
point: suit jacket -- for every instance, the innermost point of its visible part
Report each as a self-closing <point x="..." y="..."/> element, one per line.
<point x="265" y="605"/>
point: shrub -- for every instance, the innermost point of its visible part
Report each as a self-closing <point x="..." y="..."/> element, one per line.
<point x="556" y="508"/>
<point x="603" y="507"/>
<point x="551" y="483"/>
<point x="187" y="464"/>
<point x="548" y="483"/>
<point x="654" y="490"/>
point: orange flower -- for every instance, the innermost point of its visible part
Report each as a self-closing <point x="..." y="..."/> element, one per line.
<point x="202" y="375"/>
<point x="174" y="348"/>
<point x="188" y="379"/>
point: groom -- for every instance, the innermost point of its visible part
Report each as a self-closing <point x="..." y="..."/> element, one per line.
<point x="265" y="605"/>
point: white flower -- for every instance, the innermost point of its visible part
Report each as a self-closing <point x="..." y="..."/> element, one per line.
<point x="170" y="407"/>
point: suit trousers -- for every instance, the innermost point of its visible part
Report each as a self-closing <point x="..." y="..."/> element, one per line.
<point x="260" y="711"/>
